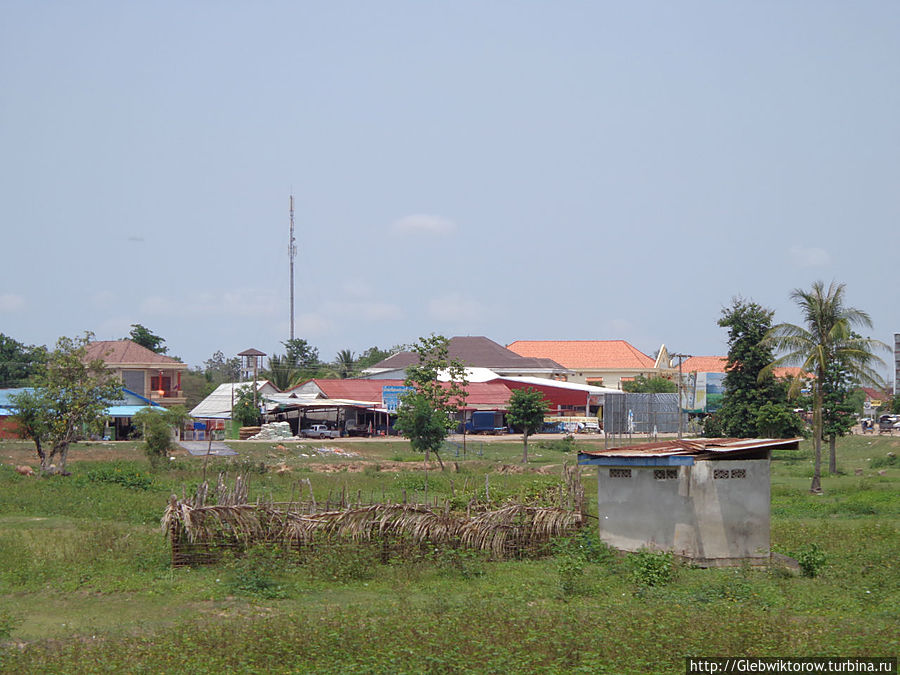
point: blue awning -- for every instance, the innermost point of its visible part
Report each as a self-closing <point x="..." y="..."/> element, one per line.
<point x="125" y="410"/>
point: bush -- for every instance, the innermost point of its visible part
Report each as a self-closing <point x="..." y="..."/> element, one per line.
<point x="460" y="563"/>
<point x="570" y="571"/>
<point x="254" y="573"/>
<point x="121" y="475"/>
<point x="652" y="568"/>
<point x="888" y="460"/>
<point x="811" y="560"/>
<point x="343" y="561"/>
<point x="586" y="544"/>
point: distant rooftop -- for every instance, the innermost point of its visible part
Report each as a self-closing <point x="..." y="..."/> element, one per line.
<point x="582" y="354"/>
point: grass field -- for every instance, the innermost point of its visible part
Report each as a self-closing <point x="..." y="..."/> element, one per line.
<point x="86" y="584"/>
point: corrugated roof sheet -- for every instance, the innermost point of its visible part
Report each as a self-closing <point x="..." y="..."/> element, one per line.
<point x="696" y="447"/>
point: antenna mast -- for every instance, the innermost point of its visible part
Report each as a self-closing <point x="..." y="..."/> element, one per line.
<point x="292" y="253"/>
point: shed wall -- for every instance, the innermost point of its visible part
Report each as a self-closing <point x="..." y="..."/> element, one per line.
<point x="714" y="512"/>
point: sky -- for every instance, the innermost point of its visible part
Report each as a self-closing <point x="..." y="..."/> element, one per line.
<point x="519" y="170"/>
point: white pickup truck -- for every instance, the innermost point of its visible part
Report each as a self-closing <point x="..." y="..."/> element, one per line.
<point x="320" y="431"/>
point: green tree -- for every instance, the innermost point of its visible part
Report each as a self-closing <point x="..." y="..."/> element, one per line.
<point x="219" y="370"/>
<point x="777" y="420"/>
<point x="245" y="413"/>
<point x="428" y="414"/>
<point x="144" y="337"/>
<point x="345" y="363"/>
<point x="157" y="425"/>
<point x="745" y="390"/>
<point x="650" y="385"/>
<point x="19" y="364"/>
<point x="527" y="408"/>
<point x="71" y="397"/>
<point x="374" y="355"/>
<point x="302" y="354"/>
<point x="283" y="373"/>
<point x="838" y="413"/>
<point x="825" y="339"/>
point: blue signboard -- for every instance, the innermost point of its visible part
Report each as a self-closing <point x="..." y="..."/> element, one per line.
<point x="390" y="396"/>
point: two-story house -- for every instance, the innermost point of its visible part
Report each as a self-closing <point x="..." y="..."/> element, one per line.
<point x="154" y="376"/>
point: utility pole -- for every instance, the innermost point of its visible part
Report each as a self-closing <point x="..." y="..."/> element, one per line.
<point x="292" y="253"/>
<point x="680" y="358"/>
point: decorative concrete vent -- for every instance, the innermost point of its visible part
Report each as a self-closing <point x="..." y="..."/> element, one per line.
<point x="620" y="473"/>
<point x="665" y="474"/>
<point x="739" y="473"/>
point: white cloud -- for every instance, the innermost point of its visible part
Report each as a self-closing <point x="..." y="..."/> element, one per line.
<point x="11" y="302"/>
<point x="421" y="223"/>
<point x="809" y="257"/>
<point x="453" y="306"/>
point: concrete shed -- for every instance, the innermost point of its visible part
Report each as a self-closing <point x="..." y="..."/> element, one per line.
<point x="706" y="500"/>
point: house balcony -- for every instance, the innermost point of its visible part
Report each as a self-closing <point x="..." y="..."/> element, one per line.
<point x="168" y="398"/>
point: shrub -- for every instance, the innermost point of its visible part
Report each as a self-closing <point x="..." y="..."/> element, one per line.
<point x="343" y="561"/>
<point x="254" y="572"/>
<point x="652" y="568"/>
<point x="121" y="475"/>
<point x="888" y="460"/>
<point x="570" y="571"/>
<point x="457" y="562"/>
<point x="811" y="560"/>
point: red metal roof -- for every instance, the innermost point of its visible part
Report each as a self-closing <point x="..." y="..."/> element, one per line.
<point x="481" y="394"/>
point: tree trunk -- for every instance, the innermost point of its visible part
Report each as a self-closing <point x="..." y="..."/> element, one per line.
<point x="40" y="453"/>
<point x="816" y="487"/>
<point x="832" y="455"/>
<point x="440" y="461"/>
<point x="525" y="448"/>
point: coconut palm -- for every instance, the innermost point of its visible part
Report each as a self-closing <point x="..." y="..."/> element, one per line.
<point x="345" y="363"/>
<point x="825" y="339"/>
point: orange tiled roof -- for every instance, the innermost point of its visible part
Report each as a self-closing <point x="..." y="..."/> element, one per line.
<point x="119" y="352"/>
<point x="602" y="354"/>
<point x="716" y="364"/>
<point x="704" y="364"/>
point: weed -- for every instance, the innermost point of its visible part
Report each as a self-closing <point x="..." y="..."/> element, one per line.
<point x="889" y="460"/>
<point x="457" y="562"/>
<point x="342" y="561"/>
<point x="254" y="573"/>
<point x="570" y="572"/>
<point x="651" y="568"/>
<point x="123" y="475"/>
<point x="811" y="560"/>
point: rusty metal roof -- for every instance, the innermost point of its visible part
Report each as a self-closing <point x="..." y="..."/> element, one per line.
<point x="696" y="447"/>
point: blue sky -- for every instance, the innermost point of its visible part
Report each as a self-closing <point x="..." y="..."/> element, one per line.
<point x="565" y="170"/>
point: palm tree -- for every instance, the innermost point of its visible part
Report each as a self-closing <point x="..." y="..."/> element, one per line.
<point x="283" y="373"/>
<point x="345" y="363"/>
<point x="825" y="339"/>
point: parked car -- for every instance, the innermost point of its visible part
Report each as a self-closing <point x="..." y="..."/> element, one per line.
<point x="320" y="431"/>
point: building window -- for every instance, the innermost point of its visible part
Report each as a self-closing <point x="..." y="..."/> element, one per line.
<point x="665" y="474"/>
<point x="620" y="473"/>
<point x="719" y="474"/>
<point x="739" y="473"/>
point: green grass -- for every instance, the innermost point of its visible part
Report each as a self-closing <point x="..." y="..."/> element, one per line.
<point x="86" y="585"/>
